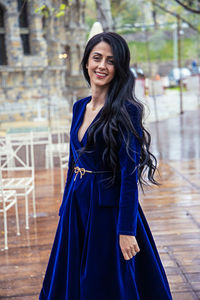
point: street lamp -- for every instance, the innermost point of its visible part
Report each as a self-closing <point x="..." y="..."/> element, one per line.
<point x="178" y="31"/>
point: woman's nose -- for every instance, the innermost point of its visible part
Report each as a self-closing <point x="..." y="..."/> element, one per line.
<point x="102" y="64"/>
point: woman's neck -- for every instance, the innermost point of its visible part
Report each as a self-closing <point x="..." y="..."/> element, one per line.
<point x="98" y="97"/>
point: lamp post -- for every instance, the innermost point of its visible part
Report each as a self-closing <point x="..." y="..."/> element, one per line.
<point x="177" y="48"/>
<point x="180" y="65"/>
<point x="175" y="45"/>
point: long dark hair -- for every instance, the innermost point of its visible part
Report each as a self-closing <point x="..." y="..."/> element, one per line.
<point x="114" y="115"/>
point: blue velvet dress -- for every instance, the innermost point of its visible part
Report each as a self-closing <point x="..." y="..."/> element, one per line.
<point x="86" y="262"/>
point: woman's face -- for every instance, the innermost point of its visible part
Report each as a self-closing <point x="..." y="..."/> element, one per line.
<point x="100" y="65"/>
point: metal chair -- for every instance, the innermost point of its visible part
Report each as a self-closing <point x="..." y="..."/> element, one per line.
<point x="5" y="151"/>
<point x="56" y="149"/>
<point x="8" y="198"/>
<point x="64" y="160"/>
<point x="24" y="185"/>
<point x="40" y="136"/>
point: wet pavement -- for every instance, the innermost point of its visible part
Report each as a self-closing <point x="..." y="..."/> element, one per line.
<point x="173" y="209"/>
<point x="177" y="138"/>
<point x="168" y="104"/>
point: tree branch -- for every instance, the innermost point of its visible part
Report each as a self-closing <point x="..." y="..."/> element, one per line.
<point x="175" y="15"/>
<point x="187" y="7"/>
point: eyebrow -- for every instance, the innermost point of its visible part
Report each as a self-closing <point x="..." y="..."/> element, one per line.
<point x="110" y="56"/>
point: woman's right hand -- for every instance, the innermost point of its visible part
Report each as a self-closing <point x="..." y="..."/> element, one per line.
<point x="128" y="245"/>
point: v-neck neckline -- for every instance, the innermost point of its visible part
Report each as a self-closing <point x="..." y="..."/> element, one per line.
<point x="82" y="118"/>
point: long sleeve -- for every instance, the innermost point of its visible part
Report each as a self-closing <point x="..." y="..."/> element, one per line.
<point x="128" y="202"/>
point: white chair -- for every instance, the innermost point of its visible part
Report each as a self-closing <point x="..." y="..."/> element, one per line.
<point x="63" y="166"/>
<point x="56" y="149"/>
<point x="40" y="136"/>
<point x="5" y="151"/>
<point x="20" y="177"/>
<point x="8" y="199"/>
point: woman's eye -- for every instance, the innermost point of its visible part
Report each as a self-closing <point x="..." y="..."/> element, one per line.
<point x="96" y="58"/>
<point x="111" y="62"/>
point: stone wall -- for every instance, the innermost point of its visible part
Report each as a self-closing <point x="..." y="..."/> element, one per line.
<point x="42" y="76"/>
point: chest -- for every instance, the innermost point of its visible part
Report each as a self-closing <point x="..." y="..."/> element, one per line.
<point x="88" y="118"/>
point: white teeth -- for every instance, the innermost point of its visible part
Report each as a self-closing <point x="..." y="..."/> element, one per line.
<point x="100" y="74"/>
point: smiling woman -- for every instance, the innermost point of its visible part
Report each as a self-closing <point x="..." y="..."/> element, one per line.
<point x="101" y="71"/>
<point x="100" y="66"/>
<point x="103" y="247"/>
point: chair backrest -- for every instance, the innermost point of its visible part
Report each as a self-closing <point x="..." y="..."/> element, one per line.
<point x="40" y="135"/>
<point x="2" y="200"/>
<point x="5" y="149"/>
<point x="61" y="133"/>
<point x="22" y="153"/>
<point x="1" y="185"/>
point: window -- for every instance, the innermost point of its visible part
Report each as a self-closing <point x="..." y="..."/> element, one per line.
<point x="24" y="25"/>
<point x="3" y="57"/>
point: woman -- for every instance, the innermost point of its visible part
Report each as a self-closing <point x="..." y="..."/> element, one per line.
<point x="103" y="247"/>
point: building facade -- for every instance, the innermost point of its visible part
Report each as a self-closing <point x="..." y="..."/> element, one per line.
<point x="39" y="57"/>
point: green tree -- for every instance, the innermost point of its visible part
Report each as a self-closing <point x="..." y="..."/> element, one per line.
<point x="90" y="13"/>
<point x="191" y="5"/>
<point x="162" y="6"/>
<point x="125" y="13"/>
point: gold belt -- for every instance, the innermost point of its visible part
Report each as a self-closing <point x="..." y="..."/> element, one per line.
<point x="82" y="171"/>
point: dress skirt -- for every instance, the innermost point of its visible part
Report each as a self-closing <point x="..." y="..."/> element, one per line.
<point x="86" y="262"/>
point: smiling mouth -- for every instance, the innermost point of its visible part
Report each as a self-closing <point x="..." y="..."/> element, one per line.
<point x="100" y="75"/>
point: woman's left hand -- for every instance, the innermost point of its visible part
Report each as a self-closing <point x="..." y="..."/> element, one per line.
<point x="128" y="245"/>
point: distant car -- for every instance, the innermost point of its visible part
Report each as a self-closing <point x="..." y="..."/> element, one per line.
<point x="138" y="73"/>
<point x="177" y="73"/>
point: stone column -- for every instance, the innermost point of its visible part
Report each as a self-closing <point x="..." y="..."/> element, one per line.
<point x="37" y="42"/>
<point x="12" y="35"/>
<point x="75" y="61"/>
<point x="82" y="14"/>
<point x="75" y="38"/>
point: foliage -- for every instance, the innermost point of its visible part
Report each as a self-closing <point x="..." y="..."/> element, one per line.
<point x="58" y="11"/>
<point x="157" y="41"/>
<point x="174" y="7"/>
<point x="125" y="12"/>
<point x="148" y="12"/>
<point x="46" y="11"/>
<point x="90" y="13"/>
<point x="190" y="5"/>
<point x="165" y="53"/>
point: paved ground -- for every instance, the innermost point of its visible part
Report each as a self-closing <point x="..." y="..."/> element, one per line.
<point x="177" y="138"/>
<point x="168" y="105"/>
